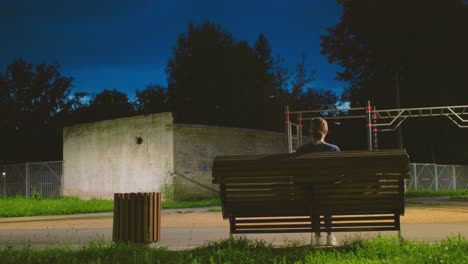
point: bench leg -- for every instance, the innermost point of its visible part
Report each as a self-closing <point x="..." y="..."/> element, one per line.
<point x="397" y="223"/>
<point x="232" y="226"/>
<point x="315" y="229"/>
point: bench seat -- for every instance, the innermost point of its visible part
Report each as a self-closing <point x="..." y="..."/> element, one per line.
<point x="284" y="193"/>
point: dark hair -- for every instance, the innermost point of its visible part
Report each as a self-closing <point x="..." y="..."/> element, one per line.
<point x="318" y="128"/>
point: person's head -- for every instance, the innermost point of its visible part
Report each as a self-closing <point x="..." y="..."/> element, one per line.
<point x="318" y="129"/>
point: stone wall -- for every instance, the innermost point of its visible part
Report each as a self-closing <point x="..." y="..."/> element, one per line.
<point x="150" y="153"/>
<point x="132" y="154"/>
<point x="196" y="146"/>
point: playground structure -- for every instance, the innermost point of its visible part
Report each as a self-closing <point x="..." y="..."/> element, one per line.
<point x="383" y="120"/>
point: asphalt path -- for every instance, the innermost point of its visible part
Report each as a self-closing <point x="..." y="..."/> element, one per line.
<point x="179" y="238"/>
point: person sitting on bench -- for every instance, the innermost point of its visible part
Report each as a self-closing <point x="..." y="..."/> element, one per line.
<point x="318" y="131"/>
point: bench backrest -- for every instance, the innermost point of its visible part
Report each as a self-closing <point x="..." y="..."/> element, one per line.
<point x="338" y="183"/>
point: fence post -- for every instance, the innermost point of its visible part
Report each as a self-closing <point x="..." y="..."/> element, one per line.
<point x="299" y="130"/>
<point x="454" y="177"/>
<point x="4" y="180"/>
<point x="436" y="175"/>
<point x="369" y="125"/>
<point x="28" y="180"/>
<point x="288" y="129"/>
<point x="415" y="177"/>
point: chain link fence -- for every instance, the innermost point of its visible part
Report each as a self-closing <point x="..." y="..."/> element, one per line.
<point x="428" y="176"/>
<point x="45" y="178"/>
<point x="28" y="179"/>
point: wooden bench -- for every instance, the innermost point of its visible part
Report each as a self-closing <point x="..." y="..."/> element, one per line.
<point x="288" y="193"/>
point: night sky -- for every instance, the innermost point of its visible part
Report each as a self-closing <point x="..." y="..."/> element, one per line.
<point x="125" y="45"/>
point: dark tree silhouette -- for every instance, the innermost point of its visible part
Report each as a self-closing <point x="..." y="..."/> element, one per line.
<point x="153" y="99"/>
<point x="420" y="44"/>
<point x="110" y="104"/>
<point x="215" y="80"/>
<point x="31" y="96"/>
<point x="416" y="49"/>
<point x="33" y="93"/>
<point x="265" y="85"/>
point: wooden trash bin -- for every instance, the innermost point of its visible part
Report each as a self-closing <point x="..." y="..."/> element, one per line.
<point x="137" y="217"/>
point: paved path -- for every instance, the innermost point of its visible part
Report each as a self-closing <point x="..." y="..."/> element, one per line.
<point x="96" y="215"/>
<point x="176" y="238"/>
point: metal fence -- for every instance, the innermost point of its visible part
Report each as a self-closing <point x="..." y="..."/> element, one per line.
<point x="27" y="179"/>
<point x="428" y="176"/>
<point x="45" y="178"/>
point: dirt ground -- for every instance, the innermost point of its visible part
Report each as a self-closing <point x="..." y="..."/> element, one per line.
<point x="414" y="214"/>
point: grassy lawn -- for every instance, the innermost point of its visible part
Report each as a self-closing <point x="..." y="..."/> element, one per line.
<point x="239" y="251"/>
<point x="462" y="192"/>
<point x="20" y="206"/>
<point x="191" y="204"/>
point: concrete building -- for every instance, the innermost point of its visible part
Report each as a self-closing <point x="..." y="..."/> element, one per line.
<point x="151" y="153"/>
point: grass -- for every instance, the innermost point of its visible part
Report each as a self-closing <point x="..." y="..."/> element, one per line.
<point x="20" y="206"/>
<point x="241" y="250"/>
<point x="191" y="204"/>
<point x="461" y="192"/>
<point x="37" y="206"/>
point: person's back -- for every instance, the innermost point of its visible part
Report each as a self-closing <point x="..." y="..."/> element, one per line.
<point x="322" y="147"/>
<point x="319" y="130"/>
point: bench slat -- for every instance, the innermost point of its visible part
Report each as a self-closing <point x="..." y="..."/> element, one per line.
<point x="362" y="190"/>
<point x="271" y="179"/>
<point x="305" y="230"/>
<point x="324" y="186"/>
<point x="312" y="163"/>
<point x="313" y="155"/>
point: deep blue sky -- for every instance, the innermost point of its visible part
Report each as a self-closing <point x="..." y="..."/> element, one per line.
<point x="107" y="44"/>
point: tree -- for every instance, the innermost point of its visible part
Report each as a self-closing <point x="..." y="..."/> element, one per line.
<point x="154" y="99"/>
<point x="33" y="93"/>
<point x="110" y="104"/>
<point x="419" y="45"/>
<point x="77" y="110"/>
<point x="301" y="95"/>
<point x="31" y="97"/>
<point x="215" y="80"/>
<point x="414" y="49"/>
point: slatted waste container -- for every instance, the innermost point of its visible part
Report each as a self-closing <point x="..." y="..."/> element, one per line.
<point x="137" y="217"/>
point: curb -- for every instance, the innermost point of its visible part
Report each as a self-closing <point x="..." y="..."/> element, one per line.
<point x="444" y="199"/>
<point x="96" y="215"/>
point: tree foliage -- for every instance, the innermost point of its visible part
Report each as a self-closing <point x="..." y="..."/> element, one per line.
<point x="421" y="42"/>
<point x="153" y="99"/>
<point x="108" y="104"/>
<point x="216" y="80"/>
<point x="417" y="47"/>
<point x="31" y="97"/>
<point x="32" y="93"/>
